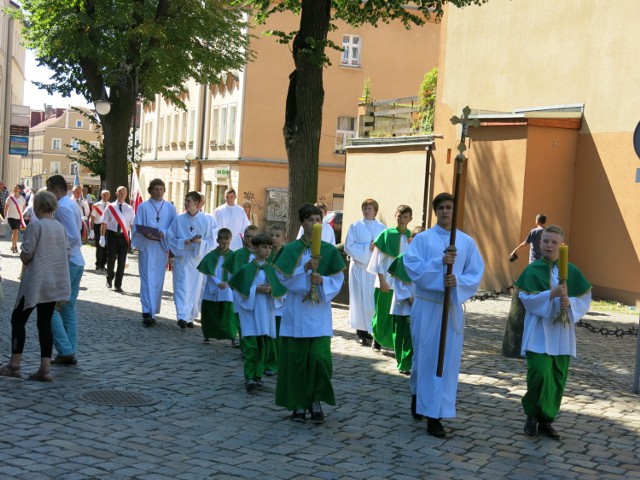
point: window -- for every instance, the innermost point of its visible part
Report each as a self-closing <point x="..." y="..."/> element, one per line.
<point x="346" y="128"/>
<point x="55" y="167"/>
<point x="73" y="167"/>
<point x="160" y="130"/>
<point x="56" y="144"/>
<point x="231" y="135"/>
<point x="222" y="139"/>
<point x="75" y="145"/>
<point x="95" y="144"/>
<point x="351" y="49"/>
<point x="79" y="123"/>
<point x="175" y="133"/>
<point x="213" y="133"/>
<point x="192" y="127"/>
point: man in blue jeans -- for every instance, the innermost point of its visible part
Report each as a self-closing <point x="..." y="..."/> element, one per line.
<point x="65" y="323"/>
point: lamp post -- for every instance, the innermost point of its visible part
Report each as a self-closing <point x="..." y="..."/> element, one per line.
<point x="122" y="77"/>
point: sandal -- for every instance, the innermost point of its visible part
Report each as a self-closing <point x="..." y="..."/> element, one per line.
<point x="9" y="371"/>
<point x="41" y="376"/>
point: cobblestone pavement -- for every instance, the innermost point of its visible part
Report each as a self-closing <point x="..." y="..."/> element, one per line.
<point x="201" y="422"/>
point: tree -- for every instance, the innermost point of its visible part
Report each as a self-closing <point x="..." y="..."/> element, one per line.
<point x="135" y="48"/>
<point x="305" y="97"/>
<point x="427" y="102"/>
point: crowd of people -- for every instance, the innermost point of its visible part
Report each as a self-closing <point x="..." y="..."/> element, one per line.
<point x="272" y="298"/>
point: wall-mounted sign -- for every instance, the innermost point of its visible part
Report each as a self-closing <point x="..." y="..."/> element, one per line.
<point x="18" y="130"/>
<point x="18" y="145"/>
<point x="222" y="172"/>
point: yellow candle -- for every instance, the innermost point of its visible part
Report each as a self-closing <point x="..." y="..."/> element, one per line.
<point x="316" y="238"/>
<point x="563" y="262"/>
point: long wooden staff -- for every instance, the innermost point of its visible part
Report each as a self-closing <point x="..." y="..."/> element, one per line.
<point x="465" y="122"/>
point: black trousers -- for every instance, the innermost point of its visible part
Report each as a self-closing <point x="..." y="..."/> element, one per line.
<point x="101" y="252"/>
<point x="19" y="319"/>
<point x="117" y="249"/>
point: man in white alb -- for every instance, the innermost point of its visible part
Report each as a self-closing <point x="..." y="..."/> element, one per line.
<point x="233" y="217"/>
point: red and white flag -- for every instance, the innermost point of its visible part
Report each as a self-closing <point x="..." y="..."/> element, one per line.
<point x="136" y="193"/>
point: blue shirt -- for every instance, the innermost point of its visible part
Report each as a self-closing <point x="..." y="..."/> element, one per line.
<point x="69" y="215"/>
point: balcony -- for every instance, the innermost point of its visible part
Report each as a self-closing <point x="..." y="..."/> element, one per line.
<point x="388" y="118"/>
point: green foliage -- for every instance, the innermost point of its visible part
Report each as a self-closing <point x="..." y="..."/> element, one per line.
<point x="356" y="14"/>
<point x="366" y="91"/>
<point x="427" y="102"/>
<point x="169" y="41"/>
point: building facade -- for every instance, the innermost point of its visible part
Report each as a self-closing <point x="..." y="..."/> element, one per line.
<point x="12" y="78"/>
<point x="233" y="129"/>
<point x="52" y="140"/>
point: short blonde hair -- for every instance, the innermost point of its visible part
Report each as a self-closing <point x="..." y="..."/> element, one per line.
<point x="554" y="229"/>
<point x="44" y="202"/>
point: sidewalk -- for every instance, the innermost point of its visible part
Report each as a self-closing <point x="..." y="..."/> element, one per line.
<point x="196" y="421"/>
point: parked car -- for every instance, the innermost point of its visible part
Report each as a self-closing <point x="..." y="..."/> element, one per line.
<point x="334" y="218"/>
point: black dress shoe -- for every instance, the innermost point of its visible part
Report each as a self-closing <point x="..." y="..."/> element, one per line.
<point x="375" y="345"/>
<point x="548" y="430"/>
<point x="414" y="413"/>
<point x="435" y="428"/>
<point x="119" y="289"/>
<point x="147" y="321"/>
<point x="531" y="426"/>
<point x="182" y="324"/>
<point x="109" y="283"/>
<point x="190" y="325"/>
<point x="299" y="416"/>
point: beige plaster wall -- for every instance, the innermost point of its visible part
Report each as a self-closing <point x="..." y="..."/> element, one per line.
<point x="547" y="53"/>
<point x="391" y="176"/>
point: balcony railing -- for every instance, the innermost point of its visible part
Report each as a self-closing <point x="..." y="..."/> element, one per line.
<point x="388" y="118"/>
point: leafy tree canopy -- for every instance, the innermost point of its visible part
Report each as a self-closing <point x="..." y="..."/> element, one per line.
<point x="168" y="41"/>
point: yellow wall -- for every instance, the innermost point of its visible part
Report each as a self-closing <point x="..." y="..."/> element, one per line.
<point x="390" y="175"/>
<point x="548" y="53"/>
<point x="392" y="75"/>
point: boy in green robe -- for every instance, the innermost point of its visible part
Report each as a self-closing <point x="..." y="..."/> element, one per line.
<point x="548" y="340"/>
<point x="305" y="366"/>
<point x="277" y="234"/>
<point x="401" y="311"/>
<point x="388" y="245"/>
<point x="256" y="287"/>
<point x="218" y="317"/>
<point x="235" y="261"/>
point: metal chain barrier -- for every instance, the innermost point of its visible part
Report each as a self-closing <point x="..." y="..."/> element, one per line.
<point x="616" y="332"/>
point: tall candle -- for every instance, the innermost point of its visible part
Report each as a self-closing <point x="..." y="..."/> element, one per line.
<point x="563" y="262"/>
<point x="316" y="239"/>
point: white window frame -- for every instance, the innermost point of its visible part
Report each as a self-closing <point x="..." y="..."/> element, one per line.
<point x="231" y="129"/>
<point x="79" y="123"/>
<point x="192" y="127"/>
<point x="351" y="50"/>
<point x="342" y="133"/>
<point x="213" y="132"/>
<point x="56" y="144"/>
<point x="75" y="145"/>
<point x="55" y="168"/>
<point x="72" y="168"/>
<point x="222" y="137"/>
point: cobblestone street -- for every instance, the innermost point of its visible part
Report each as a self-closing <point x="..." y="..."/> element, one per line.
<point x="199" y="422"/>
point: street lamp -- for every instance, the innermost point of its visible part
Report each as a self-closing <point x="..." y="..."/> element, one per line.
<point x="121" y="77"/>
<point x="187" y="166"/>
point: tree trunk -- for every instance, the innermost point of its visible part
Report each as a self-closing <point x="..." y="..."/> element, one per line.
<point x="303" y="117"/>
<point x="116" y="127"/>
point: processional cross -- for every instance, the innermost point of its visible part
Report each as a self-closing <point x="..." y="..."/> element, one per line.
<point x="465" y="122"/>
